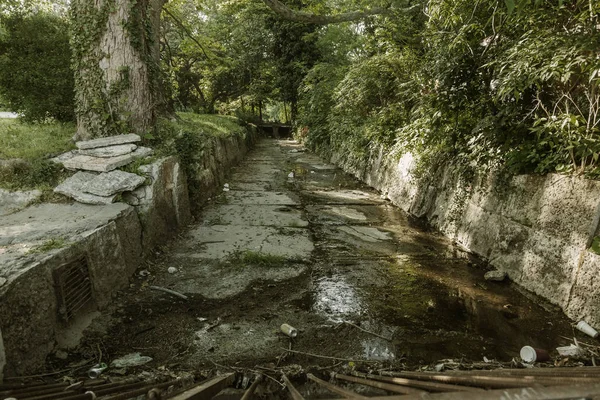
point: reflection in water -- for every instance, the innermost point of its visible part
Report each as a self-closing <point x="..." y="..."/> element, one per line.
<point x="336" y="299"/>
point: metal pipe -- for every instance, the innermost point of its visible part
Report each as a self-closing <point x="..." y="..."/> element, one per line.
<point x="380" y="385"/>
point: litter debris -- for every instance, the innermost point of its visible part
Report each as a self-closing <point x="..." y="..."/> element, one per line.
<point x="291" y="175"/>
<point x="202" y="319"/>
<point x="289" y="330"/>
<point x="312" y="172"/>
<point x="174" y="293"/>
<point x="570" y="351"/>
<point x="172" y="270"/>
<point x="131" y="360"/>
<point x="144" y="273"/>
<point x="495" y="276"/>
<point x="226" y="187"/>
<point x="440" y="367"/>
<point x="531" y="355"/>
<point x="97" y="370"/>
<point x="587" y="329"/>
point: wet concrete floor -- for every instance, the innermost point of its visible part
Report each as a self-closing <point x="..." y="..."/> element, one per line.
<point x="316" y="250"/>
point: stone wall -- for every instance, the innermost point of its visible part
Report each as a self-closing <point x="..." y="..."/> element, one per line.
<point x="536" y="228"/>
<point x="113" y="239"/>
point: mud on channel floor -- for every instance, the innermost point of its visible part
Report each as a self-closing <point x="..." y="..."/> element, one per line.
<point x="295" y="240"/>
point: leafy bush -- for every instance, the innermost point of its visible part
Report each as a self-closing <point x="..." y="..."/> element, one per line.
<point x="35" y="75"/>
<point x="483" y="85"/>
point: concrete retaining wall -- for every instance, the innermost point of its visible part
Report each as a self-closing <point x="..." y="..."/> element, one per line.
<point x="536" y="228"/>
<point x="113" y="240"/>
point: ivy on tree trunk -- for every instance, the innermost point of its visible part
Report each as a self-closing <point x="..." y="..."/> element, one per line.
<point x="116" y="64"/>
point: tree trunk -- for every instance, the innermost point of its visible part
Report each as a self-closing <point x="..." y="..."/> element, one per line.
<point x="116" y="63"/>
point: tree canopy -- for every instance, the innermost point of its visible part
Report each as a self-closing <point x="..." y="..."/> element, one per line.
<point x="483" y="85"/>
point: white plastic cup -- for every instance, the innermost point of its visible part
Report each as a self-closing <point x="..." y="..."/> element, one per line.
<point x="531" y="355"/>
<point x="587" y="329"/>
<point x="289" y="330"/>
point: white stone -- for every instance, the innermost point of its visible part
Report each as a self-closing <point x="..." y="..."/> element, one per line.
<point x="74" y="187"/>
<point x="110" y="151"/>
<point x="15" y="201"/>
<point x="100" y="164"/>
<point x="497" y="276"/>
<point x="64" y="157"/>
<point x="172" y="270"/>
<point x="110" y="183"/>
<point x="108" y="141"/>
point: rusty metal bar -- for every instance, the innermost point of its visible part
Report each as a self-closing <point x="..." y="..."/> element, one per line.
<point x="206" y="390"/>
<point x="493" y="382"/>
<point x="429" y="386"/>
<point x="582" y="372"/>
<point x="538" y="393"/>
<point x="141" y="391"/>
<point x="293" y="391"/>
<point x="380" y="385"/>
<point x="335" y="389"/>
<point x="250" y="392"/>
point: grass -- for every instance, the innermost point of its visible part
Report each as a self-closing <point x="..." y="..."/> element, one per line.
<point x="33" y="141"/>
<point x="50" y="244"/>
<point x="214" y="125"/>
<point x="32" y="145"/>
<point x="248" y="258"/>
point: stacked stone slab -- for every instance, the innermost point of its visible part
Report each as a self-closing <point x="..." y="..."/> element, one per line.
<point x="98" y="181"/>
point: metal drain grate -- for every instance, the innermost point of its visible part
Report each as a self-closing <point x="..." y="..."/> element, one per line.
<point x="74" y="287"/>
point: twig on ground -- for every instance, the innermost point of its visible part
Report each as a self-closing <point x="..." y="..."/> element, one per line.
<point x="369" y="332"/>
<point x="174" y="293"/>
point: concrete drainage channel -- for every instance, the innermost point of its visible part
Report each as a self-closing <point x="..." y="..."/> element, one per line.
<point x="290" y="239"/>
<point x="60" y="264"/>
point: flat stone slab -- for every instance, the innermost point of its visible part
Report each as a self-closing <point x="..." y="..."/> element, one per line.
<point x="346" y="197"/>
<point x="24" y="230"/>
<point x="254" y="215"/>
<point x="223" y="241"/>
<point x="110" y="151"/>
<point x="111" y="183"/>
<point x="367" y="234"/>
<point x="75" y="187"/>
<point x="99" y="164"/>
<point x="108" y="141"/>
<point x="260" y="198"/>
<point x="14" y="201"/>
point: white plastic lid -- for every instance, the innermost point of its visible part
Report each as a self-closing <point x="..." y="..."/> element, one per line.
<point x="528" y="354"/>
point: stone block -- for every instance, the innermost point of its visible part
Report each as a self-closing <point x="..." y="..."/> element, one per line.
<point x="108" y="141"/>
<point x="14" y="201"/>
<point x="110" y="183"/>
<point x="74" y="187"/>
<point x="110" y="151"/>
<point x="99" y="164"/>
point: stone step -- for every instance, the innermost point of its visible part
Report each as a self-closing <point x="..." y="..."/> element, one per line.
<point x="108" y="141"/>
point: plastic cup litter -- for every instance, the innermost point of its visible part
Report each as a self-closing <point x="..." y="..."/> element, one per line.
<point x="587" y="329"/>
<point x="531" y="355"/>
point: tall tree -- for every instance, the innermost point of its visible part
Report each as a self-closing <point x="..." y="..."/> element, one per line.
<point x="116" y="62"/>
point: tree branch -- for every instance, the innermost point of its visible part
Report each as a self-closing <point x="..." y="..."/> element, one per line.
<point x="300" y="16"/>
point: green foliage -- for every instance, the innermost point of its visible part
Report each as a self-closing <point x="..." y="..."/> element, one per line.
<point x="482" y="85"/>
<point x="35" y="77"/>
<point x="34" y="141"/>
<point x="30" y="146"/>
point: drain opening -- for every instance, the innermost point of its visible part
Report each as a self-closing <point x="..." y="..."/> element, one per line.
<point x="74" y="287"/>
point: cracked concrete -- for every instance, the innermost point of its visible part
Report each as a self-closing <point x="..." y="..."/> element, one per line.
<point x="315" y="251"/>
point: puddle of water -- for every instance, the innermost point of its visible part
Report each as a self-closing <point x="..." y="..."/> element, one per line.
<point x="436" y="313"/>
<point x="336" y="299"/>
